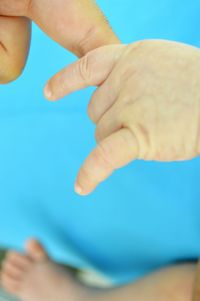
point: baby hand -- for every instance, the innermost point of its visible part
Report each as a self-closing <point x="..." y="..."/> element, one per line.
<point x="147" y="105"/>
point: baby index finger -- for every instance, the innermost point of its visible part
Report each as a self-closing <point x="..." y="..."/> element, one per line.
<point x="91" y="70"/>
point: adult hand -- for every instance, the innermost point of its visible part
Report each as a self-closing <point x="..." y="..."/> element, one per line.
<point x="78" y="25"/>
<point x="14" y="46"/>
<point x="147" y="105"/>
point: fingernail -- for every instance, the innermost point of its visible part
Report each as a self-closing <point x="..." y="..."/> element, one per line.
<point x="48" y="92"/>
<point x="78" y="189"/>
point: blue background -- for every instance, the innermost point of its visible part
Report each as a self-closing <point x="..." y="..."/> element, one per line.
<point x="145" y="216"/>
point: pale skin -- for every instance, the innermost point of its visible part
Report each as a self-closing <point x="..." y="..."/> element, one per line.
<point x="131" y="139"/>
<point x="146" y="106"/>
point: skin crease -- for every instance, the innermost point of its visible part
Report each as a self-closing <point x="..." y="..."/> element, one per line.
<point x="147" y="105"/>
<point x="78" y="25"/>
<point x="14" y="47"/>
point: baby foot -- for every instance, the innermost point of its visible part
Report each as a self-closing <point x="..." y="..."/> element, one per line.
<point x="34" y="277"/>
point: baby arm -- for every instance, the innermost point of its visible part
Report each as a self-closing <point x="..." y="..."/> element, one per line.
<point x="14" y="46"/>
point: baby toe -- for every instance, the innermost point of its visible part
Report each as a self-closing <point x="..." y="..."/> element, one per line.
<point x="12" y="269"/>
<point x="35" y="250"/>
<point x="10" y="284"/>
<point x="18" y="260"/>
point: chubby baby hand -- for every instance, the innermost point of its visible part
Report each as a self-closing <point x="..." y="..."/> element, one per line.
<point x="146" y="106"/>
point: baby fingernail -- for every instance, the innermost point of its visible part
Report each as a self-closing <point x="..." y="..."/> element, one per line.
<point x="48" y="92"/>
<point x="78" y="189"/>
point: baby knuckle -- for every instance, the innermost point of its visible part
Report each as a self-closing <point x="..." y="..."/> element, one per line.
<point x="131" y="48"/>
<point x="144" y="134"/>
<point x="97" y="137"/>
<point x="84" y="69"/>
<point x="91" y="112"/>
<point x="167" y="154"/>
<point x="142" y="140"/>
<point x="93" y="106"/>
<point x="98" y="134"/>
<point x="104" y="157"/>
<point x="85" y="176"/>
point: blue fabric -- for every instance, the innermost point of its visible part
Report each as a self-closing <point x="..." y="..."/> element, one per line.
<point x="145" y="216"/>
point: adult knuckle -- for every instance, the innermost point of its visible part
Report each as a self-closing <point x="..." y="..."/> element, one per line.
<point x="28" y="6"/>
